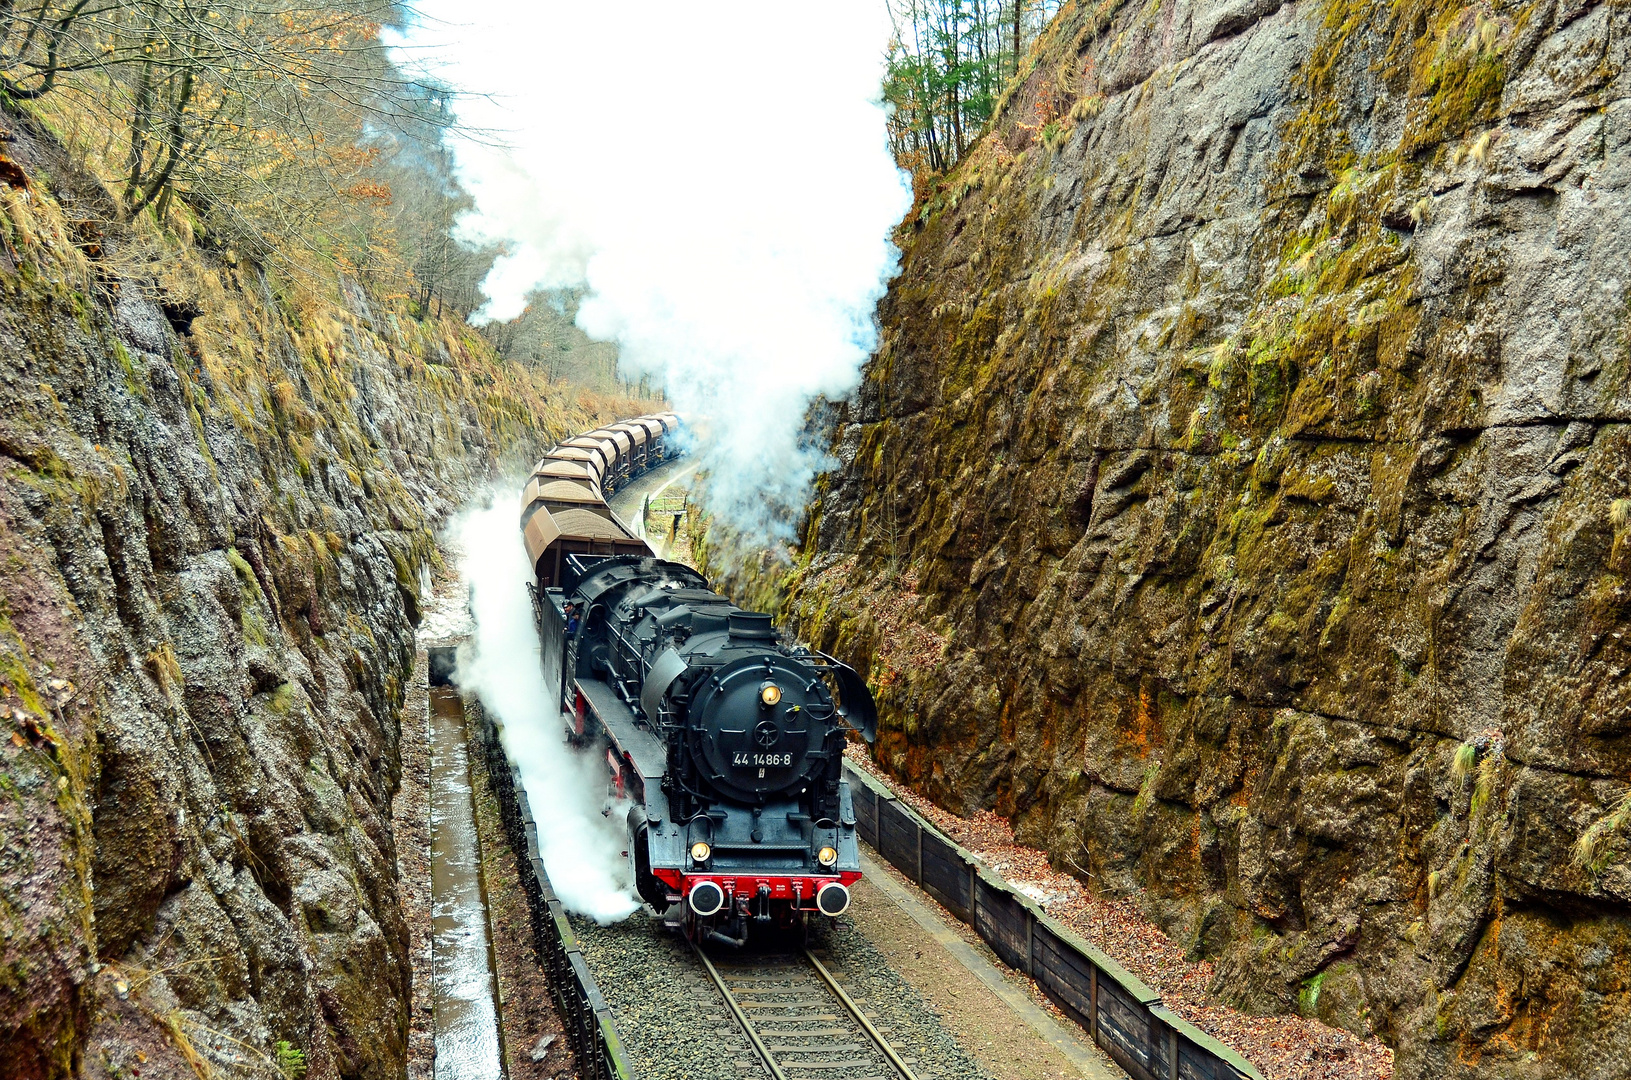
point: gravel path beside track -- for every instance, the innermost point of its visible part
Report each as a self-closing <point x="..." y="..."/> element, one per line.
<point x="989" y="1028"/>
<point x="895" y="1005"/>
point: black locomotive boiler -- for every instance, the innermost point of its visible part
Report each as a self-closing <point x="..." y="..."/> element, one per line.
<point x="728" y="740"/>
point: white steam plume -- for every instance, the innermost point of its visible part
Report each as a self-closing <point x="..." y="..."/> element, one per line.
<point x="715" y="176"/>
<point x="580" y="847"/>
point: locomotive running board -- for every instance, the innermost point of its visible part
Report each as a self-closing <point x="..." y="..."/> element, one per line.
<point x="634" y="743"/>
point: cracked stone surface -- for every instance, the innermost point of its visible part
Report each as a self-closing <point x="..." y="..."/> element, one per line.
<point x="213" y="543"/>
<point x="1248" y="448"/>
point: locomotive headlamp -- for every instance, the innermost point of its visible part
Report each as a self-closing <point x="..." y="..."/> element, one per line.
<point x="700" y="851"/>
<point x="771" y="694"/>
<point x="827" y="856"/>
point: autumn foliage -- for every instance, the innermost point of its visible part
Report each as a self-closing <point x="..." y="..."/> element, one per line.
<point x="277" y="129"/>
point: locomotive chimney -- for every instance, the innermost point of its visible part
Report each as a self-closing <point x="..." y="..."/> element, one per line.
<point x="751" y="626"/>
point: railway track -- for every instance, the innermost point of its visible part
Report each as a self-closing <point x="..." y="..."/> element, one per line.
<point x="801" y="1023"/>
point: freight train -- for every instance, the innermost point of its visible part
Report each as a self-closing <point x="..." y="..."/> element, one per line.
<point x="726" y="739"/>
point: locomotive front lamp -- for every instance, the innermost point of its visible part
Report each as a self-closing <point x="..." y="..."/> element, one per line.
<point x="700" y="851"/>
<point x="771" y="694"/>
<point x="827" y="856"/>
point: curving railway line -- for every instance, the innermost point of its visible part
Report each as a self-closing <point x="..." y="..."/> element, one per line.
<point x="801" y="1023"/>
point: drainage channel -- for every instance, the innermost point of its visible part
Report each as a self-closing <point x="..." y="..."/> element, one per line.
<point x="463" y="988"/>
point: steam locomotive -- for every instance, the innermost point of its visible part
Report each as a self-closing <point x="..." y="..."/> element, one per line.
<point x="727" y="739"/>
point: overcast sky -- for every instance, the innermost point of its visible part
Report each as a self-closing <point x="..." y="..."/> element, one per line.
<point x="716" y="175"/>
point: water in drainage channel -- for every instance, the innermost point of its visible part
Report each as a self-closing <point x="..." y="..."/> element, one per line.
<point x="463" y="987"/>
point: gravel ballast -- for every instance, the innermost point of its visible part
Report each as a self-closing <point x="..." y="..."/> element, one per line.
<point x="675" y="1023"/>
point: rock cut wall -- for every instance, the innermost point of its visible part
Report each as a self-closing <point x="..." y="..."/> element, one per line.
<point x="216" y="504"/>
<point x="1248" y="452"/>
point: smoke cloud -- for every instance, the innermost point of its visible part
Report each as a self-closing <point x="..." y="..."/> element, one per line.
<point x="716" y="177"/>
<point x="580" y="846"/>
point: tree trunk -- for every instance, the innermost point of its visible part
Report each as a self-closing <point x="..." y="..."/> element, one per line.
<point x="1019" y="9"/>
<point x="174" y="139"/>
<point x="139" y="123"/>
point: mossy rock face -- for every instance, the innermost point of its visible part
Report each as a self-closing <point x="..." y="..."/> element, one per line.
<point x="212" y="547"/>
<point x="1266" y="427"/>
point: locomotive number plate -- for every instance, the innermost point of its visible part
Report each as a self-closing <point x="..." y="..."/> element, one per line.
<point x="762" y="760"/>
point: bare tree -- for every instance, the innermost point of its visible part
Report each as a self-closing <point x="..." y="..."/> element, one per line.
<point x="546" y="335"/>
<point x="264" y="116"/>
<point x="947" y="62"/>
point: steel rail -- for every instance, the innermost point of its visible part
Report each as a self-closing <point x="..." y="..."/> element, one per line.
<point x="831" y="983"/>
<point x="855" y="1011"/>
<point x="741" y="1017"/>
